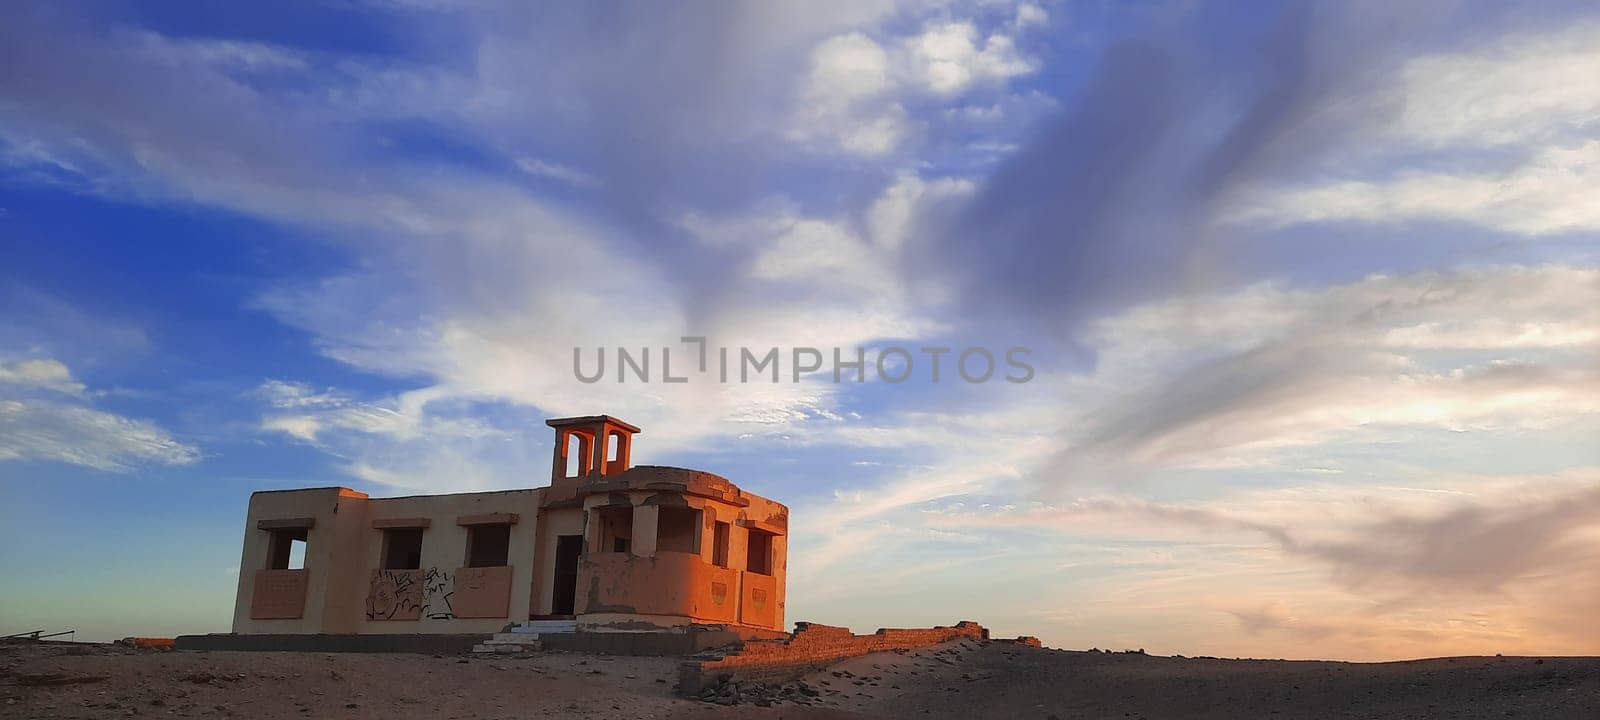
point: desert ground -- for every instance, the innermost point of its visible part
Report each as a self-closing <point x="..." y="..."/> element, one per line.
<point x="964" y="679"/>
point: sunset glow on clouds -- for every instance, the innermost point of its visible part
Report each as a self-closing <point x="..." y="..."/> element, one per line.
<point x="1313" y="297"/>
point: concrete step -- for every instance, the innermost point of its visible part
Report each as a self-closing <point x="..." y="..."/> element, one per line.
<point x="535" y="627"/>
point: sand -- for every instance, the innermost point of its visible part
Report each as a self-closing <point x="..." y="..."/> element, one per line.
<point x="959" y="680"/>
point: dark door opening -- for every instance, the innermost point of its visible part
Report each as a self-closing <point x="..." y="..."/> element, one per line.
<point x="568" y="548"/>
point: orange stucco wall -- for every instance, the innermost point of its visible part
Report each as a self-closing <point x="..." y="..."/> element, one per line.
<point x="344" y="588"/>
<point x="483" y="592"/>
<point x="667" y="583"/>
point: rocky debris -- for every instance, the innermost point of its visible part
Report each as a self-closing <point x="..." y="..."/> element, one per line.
<point x="765" y="694"/>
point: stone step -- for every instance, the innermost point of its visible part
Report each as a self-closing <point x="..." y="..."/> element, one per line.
<point x="549" y="623"/>
<point x="535" y="627"/>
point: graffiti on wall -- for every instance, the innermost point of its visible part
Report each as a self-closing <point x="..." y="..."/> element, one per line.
<point x="437" y="590"/>
<point x="410" y="595"/>
<point x="394" y="595"/>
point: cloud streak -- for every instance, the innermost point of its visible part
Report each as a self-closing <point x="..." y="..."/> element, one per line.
<point x="45" y="415"/>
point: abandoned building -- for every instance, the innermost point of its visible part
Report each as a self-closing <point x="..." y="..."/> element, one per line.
<point x="607" y="544"/>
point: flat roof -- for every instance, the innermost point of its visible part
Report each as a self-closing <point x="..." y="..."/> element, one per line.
<point x="591" y="420"/>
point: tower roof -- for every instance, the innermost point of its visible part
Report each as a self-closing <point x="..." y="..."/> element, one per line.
<point x="591" y="420"/>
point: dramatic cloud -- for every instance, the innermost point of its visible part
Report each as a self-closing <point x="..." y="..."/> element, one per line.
<point x="1302" y="369"/>
<point x="1473" y="350"/>
<point x="1524" y="107"/>
<point x="1509" y="552"/>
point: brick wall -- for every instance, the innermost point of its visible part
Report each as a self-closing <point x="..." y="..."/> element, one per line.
<point x="811" y="647"/>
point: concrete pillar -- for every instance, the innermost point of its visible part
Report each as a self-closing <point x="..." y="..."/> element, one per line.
<point x="646" y="529"/>
<point x="558" y="466"/>
<point x="599" y="449"/>
<point x="585" y="454"/>
<point x="591" y="532"/>
<point x="624" y="449"/>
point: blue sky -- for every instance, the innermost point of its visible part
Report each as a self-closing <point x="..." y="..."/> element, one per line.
<point x="1312" y="293"/>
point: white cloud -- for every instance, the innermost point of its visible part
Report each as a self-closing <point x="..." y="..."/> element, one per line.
<point x="479" y="290"/>
<point x="1046" y="440"/>
<point x="561" y="173"/>
<point x="289" y="395"/>
<point x="1552" y="193"/>
<point x="849" y="68"/>
<point x="1183" y="383"/>
<point x="854" y="94"/>
<point x="1030" y="14"/>
<point x="227" y="55"/>
<point x="305" y="414"/>
<point x="1532" y="100"/>
<point x="793" y="280"/>
<point x="1352" y="567"/>
<point x="947" y="58"/>
<point x="911" y="206"/>
<point x="41" y="373"/>
<point x="446" y="300"/>
<point x="1516" y="89"/>
<point x="847" y="98"/>
<point x="45" y="415"/>
<point x="300" y="427"/>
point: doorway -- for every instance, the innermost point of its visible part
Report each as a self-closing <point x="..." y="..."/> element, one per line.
<point x="565" y="588"/>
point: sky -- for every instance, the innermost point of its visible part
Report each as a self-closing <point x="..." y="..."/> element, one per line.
<point x="1310" y="297"/>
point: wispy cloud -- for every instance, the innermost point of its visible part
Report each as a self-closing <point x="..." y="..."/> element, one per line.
<point x="45" y="414"/>
<point x="1524" y="110"/>
<point x="561" y="173"/>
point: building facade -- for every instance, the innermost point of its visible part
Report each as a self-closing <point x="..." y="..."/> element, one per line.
<point x="617" y="547"/>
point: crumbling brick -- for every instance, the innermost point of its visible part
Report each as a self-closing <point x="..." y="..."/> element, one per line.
<point x="810" y="647"/>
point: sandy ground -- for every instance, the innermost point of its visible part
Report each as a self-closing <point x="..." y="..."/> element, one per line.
<point x="103" y="681"/>
<point x="960" y="680"/>
<point x="1003" y="681"/>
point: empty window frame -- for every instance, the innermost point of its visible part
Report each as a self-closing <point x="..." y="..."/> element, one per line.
<point x="286" y="550"/>
<point x="402" y="548"/>
<point x="616" y="528"/>
<point x="719" y="545"/>
<point x="759" y="553"/>
<point x="678" y="530"/>
<point x="577" y="455"/>
<point x="488" y="545"/>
